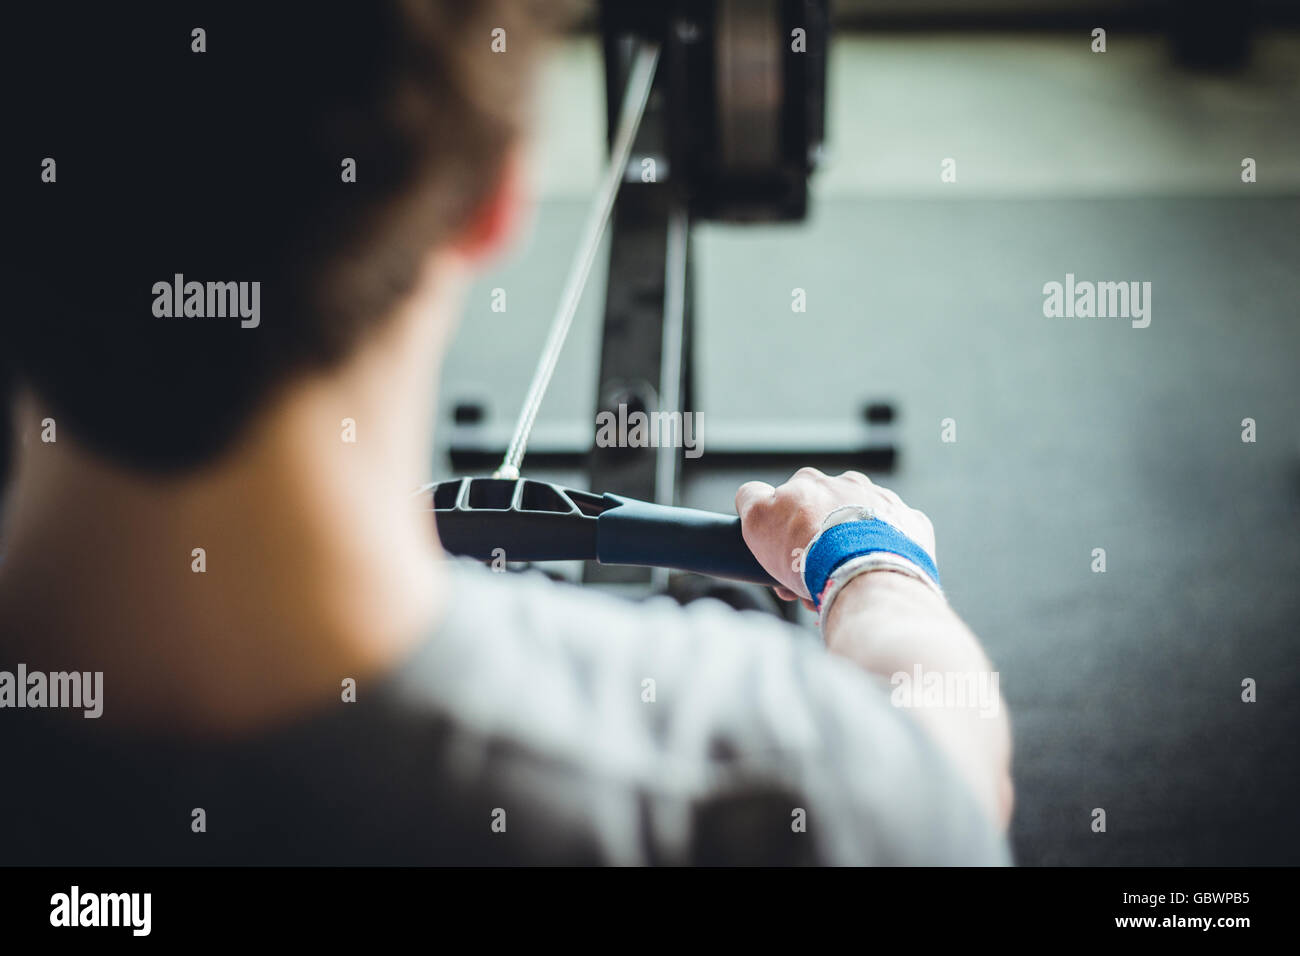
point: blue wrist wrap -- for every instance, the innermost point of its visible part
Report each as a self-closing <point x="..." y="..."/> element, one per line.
<point x="849" y="539"/>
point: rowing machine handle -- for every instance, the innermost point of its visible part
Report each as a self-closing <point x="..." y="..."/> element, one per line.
<point x="641" y="533"/>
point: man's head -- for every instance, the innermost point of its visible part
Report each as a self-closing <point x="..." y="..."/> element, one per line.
<point x="323" y="156"/>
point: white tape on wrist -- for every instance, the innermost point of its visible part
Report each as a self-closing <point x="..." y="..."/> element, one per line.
<point x="863" y="564"/>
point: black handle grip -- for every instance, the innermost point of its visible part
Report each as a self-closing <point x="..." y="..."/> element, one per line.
<point x="641" y="533"/>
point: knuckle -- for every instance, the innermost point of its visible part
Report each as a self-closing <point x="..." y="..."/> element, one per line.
<point x="748" y="496"/>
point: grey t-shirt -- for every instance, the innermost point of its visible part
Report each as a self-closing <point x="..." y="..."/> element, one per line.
<point x="542" y="723"/>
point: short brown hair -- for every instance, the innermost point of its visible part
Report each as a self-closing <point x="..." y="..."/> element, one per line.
<point x="226" y="165"/>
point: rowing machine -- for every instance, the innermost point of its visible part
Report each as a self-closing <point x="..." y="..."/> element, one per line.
<point x="725" y="99"/>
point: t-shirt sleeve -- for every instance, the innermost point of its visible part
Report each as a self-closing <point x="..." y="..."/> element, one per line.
<point x="699" y="734"/>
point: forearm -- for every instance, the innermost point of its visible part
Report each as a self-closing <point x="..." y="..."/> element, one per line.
<point x="891" y="624"/>
<point x="887" y="622"/>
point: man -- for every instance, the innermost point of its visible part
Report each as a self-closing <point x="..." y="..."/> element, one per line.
<point x="252" y="251"/>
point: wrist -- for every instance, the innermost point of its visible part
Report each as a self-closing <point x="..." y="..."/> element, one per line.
<point x="879" y="586"/>
<point x="867" y="543"/>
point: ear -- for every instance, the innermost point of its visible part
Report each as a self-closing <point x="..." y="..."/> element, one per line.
<point x="498" y="217"/>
